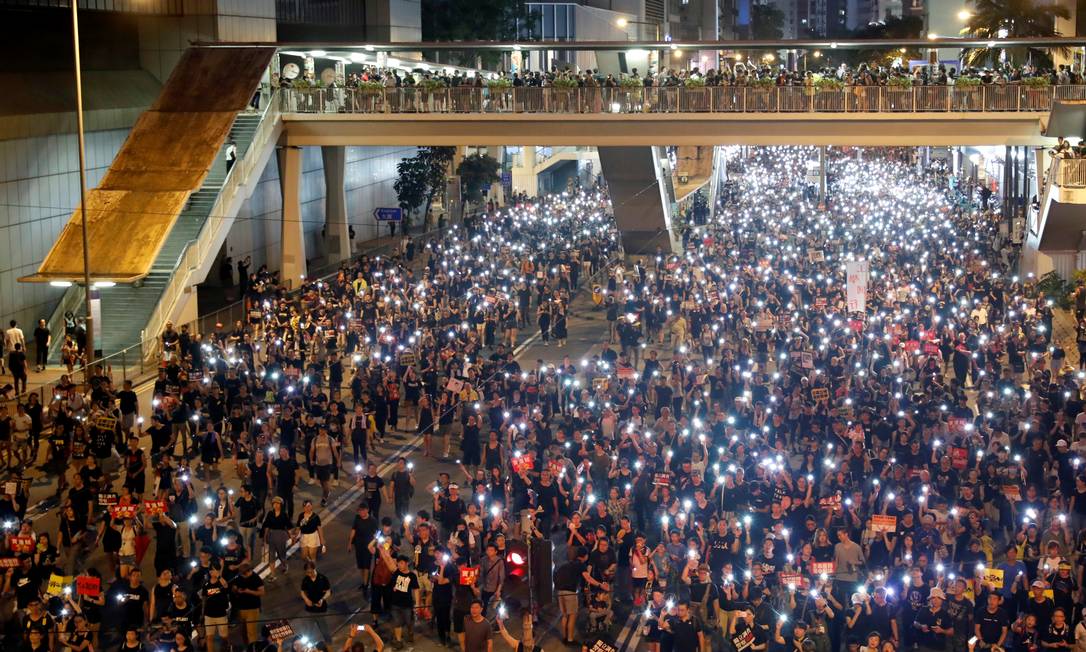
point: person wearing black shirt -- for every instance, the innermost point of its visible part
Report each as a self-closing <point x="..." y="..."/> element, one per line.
<point x="372" y="485"/>
<point x="991" y="624"/>
<point x="24" y="581"/>
<point x="132" y="642"/>
<point x="135" y="467"/>
<point x="567" y="582"/>
<point x="248" y="511"/>
<point x="1058" y="635"/>
<point x="181" y="612"/>
<point x="134" y="599"/>
<point x="686" y="633"/>
<point x="933" y="624"/>
<point x="362" y="532"/>
<point x="215" y="598"/>
<point x="247" y="590"/>
<point x="286" y="478"/>
<point x="403" y="594"/>
<point x="444" y="577"/>
<point x="1040" y="605"/>
<point x="449" y="510"/>
<point x="275" y="529"/>
<point x="36" y="619"/>
<point x="315" y="591"/>
<point x="129" y="406"/>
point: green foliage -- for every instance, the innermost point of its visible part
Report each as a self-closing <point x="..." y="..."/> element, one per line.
<point x="694" y="82"/>
<point x="370" y="86"/>
<point x="763" y="82"/>
<point x="477" y="20"/>
<point x="900" y="82"/>
<point x="894" y="27"/>
<point x="766" y="22"/>
<point x="824" y="83"/>
<point x="499" y="84"/>
<point x="631" y="82"/>
<point x="477" y="173"/>
<point x="1036" y="82"/>
<point x="1057" y="289"/>
<point x="1020" y="19"/>
<point x="432" y="84"/>
<point x="967" y="82"/>
<point x="419" y="178"/>
<point x="565" y="83"/>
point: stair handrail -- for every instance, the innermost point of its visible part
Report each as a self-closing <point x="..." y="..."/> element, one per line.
<point x="196" y="250"/>
<point x="1050" y="182"/>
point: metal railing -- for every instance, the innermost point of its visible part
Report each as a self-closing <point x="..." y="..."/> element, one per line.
<point x="1070" y="172"/>
<point x="200" y="253"/>
<point x="710" y="99"/>
<point x="138" y="362"/>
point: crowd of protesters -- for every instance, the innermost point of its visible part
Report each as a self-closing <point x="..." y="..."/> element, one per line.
<point x="738" y="74"/>
<point x="753" y="458"/>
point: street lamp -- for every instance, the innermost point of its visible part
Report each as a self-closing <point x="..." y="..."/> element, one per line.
<point x="964" y="15"/>
<point x="87" y="289"/>
<point x="623" y="23"/>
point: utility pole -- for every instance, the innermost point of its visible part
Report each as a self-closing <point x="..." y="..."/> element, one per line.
<point x="83" y="193"/>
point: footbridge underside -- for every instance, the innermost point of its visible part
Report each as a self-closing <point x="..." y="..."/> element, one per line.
<point x="659" y="129"/>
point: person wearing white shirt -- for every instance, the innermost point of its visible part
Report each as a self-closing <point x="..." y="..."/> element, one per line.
<point x="13" y="336"/>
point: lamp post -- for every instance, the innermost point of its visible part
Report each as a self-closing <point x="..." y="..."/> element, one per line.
<point x="83" y="193"/>
<point x="623" y="23"/>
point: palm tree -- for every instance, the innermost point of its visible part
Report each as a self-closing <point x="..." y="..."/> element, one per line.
<point x="995" y="19"/>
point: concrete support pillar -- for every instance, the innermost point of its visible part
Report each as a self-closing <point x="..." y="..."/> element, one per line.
<point x="292" y="235"/>
<point x="336" y="230"/>
<point x="822" y="175"/>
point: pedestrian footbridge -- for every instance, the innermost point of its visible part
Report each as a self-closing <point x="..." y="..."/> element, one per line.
<point x="860" y="116"/>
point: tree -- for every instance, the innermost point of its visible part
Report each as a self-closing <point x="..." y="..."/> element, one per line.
<point x="477" y="20"/>
<point x="421" y="177"/>
<point x="1019" y="19"/>
<point x="895" y="27"/>
<point x="766" y="23"/>
<point x="477" y="173"/>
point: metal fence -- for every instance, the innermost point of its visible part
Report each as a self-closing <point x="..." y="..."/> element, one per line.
<point x="1071" y="173"/>
<point x="710" y="99"/>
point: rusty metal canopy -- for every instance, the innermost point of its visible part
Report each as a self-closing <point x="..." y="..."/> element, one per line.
<point x="1067" y="119"/>
<point x="126" y="231"/>
<point x="166" y="156"/>
<point x="1064" y="227"/>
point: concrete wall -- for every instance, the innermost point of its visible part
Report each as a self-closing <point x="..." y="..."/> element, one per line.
<point x="39" y="187"/>
<point x="370" y="174"/>
<point x="162" y="39"/>
<point x="394" y="20"/>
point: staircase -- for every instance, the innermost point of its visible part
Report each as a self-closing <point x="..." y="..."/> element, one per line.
<point x="127" y="308"/>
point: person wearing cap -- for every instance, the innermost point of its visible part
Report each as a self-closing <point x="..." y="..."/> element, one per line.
<point x="449" y="510"/>
<point x="275" y="530"/>
<point x="1064" y="586"/>
<point x="933" y="624"/>
<point x="1040" y="605"/>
